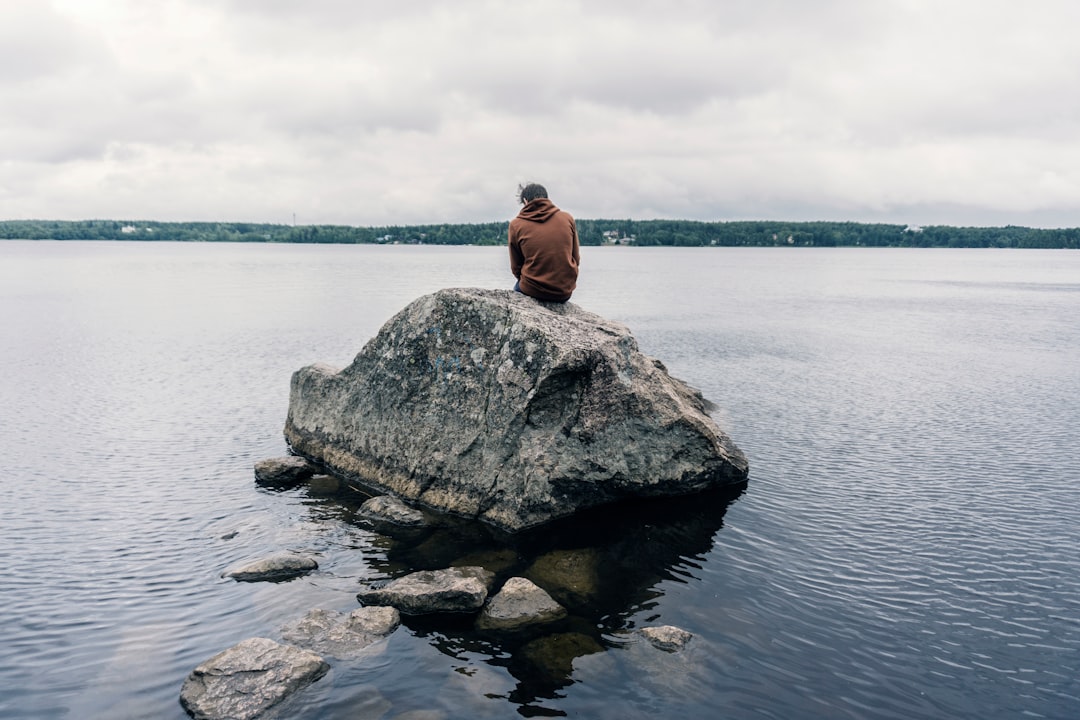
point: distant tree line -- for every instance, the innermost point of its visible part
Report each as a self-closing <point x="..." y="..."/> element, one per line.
<point x="143" y="230"/>
<point x="686" y="233"/>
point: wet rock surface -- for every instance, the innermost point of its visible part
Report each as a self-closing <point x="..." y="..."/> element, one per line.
<point x="568" y="592"/>
<point x="248" y="679"/>
<point x="518" y="604"/>
<point x="273" y="568"/>
<point x="571" y="576"/>
<point x="491" y="405"/>
<point x="598" y="565"/>
<point x="388" y="509"/>
<point x="339" y="634"/>
<point x="461" y="589"/>
<point x="666" y="637"/>
<point x="284" y="471"/>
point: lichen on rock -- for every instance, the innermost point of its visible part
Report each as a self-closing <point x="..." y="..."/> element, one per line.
<point x="492" y="405"/>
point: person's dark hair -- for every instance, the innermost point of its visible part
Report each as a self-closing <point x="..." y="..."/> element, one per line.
<point x="529" y="192"/>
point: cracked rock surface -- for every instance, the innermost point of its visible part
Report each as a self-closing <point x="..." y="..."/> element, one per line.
<point x="248" y="679"/>
<point x="492" y="405"/>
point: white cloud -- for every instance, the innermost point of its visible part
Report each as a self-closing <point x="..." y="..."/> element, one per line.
<point x="372" y="112"/>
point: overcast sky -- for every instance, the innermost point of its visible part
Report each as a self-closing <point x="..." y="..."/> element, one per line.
<point x="359" y="112"/>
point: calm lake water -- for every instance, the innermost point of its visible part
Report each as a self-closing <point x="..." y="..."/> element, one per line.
<point x="908" y="545"/>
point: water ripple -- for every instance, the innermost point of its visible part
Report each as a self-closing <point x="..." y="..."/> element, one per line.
<point x="907" y="546"/>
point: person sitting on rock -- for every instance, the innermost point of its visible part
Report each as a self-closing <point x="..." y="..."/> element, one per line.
<point x="544" y="251"/>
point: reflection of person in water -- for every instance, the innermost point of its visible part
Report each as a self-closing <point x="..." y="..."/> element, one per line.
<point x="544" y="250"/>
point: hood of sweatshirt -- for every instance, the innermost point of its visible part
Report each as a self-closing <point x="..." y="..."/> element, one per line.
<point x="539" y="210"/>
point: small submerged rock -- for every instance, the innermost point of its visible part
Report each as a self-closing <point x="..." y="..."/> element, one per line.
<point x="553" y="655"/>
<point x="339" y="634"/>
<point x="497" y="561"/>
<point x="386" y="508"/>
<point x="666" y="637"/>
<point x="248" y="679"/>
<point x="461" y="589"/>
<point x="323" y="484"/>
<point x="518" y="604"/>
<point x="571" y="576"/>
<point x="284" y="471"/>
<point x="276" y="567"/>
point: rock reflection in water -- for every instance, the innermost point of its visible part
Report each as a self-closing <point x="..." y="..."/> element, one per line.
<point x="603" y="566"/>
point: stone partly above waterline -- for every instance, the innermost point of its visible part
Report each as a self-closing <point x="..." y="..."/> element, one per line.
<point x="519" y="604"/>
<point x="666" y="637"/>
<point x="391" y="510"/>
<point x="283" y="472"/>
<point x="248" y="679"/>
<point x="492" y="405"/>
<point x="459" y="589"/>
<point x="275" y="567"/>
<point x="342" y="635"/>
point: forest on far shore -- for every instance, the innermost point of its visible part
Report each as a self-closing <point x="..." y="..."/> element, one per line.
<point x="685" y="233"/>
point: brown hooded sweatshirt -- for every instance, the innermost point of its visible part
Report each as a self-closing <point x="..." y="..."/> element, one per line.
<point x="544" y="251"/>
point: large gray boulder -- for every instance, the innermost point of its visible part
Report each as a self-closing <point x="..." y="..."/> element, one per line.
<point x="490" y="404"/>
<point x="248" y="679"/>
